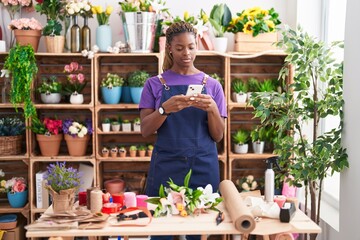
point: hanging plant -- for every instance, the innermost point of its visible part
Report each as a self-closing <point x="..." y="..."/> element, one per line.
<point x="21" y="63"/>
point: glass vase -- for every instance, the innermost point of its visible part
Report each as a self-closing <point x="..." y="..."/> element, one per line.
<point x="67" y="33"/>
<point x="85" y="36"/>
<point x="103" y="37"/>
<point x="75" y="36"/>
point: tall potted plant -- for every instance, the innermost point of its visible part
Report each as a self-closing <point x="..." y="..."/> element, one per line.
<point x="308" y="160"/>
<point x="111" y="88"/>
<point x="136" y="82"/>
<point x="220" y="18"/>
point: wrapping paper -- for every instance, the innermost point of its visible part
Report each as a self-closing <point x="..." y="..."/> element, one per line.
<point x="240" y="214"/>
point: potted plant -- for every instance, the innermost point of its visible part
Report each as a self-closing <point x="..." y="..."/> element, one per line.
<point x="26" y="31"/>
<point x="307" y="161"/>
<point x="246" y="184"/>
<point x="105" y="152"/>
<point x="62" y="183"/>
<point x="22" y="65"/>
<point x="137" y="125"/>
<point x="255" y="29"/>
<point x="122" y="151"/>
<point x="142" y="150"/>
<point x="220" y="17"/>
<point x="253" y="86"/>
<point x="77" y="136"/>
<point x="12" y="130"/>
<point x="136" y="82"/>
<point x="150" y="149"/>
<point x="240" y="89"/>
<point x="258" y="140"/>
<point x="50" y="90"/>
<point x="132" y="150"/>
<point x="75" y="82"/>
<point x="221" y="80"/>
<point x="54" y="41"/>
<point x="48" y="135"/>
<point x="240" y="138"/>
<point x="115" y="126"/>
<point x="126" y="125"/>
<point x="114" y="152"/>
<point x="111" y="88"/>
<point x="106" y="123"/>
<point x="17" y="192"/>
<point x="267" y="86"/>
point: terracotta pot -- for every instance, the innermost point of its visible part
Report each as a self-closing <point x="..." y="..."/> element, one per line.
<point x="122" y="154"/>
<point x="77" y="146"/>
<point x="54" y="44"/>
<point x="132" y="153"/>
<point x="25" y="37"/>
<point x="142" y="153"/>
<point x="114" y="186"/>
<point x="149" y="153"/>
<point x="49" y="145"/>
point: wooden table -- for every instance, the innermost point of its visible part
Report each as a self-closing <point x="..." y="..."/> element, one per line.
<point x="204" y="225"/>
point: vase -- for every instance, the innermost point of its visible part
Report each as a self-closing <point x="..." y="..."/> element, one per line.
<point x="248" y="43"/>
<point x="67" y="33"/>
<point x="76" y="98"/>
<point x="62" y="201"/>
<point x="85" y="35"/>
<point x="54" y="44"/>
<point x="103" y="37"/>
<point x="75" y="36"/>
<point x="220" y="44"/>
<point x="25" y="37"/>
<point x="50" y="98"/>
<point x="49" y="144"/>
<point x="77" y="146"/>
<point x="136" y="94"/>
<point x="17" y="199"/>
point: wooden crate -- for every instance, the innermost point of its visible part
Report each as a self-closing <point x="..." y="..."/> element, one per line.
<point x="248" y="43"/>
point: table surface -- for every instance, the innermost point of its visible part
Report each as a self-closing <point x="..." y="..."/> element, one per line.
<point x="203" y="224"/>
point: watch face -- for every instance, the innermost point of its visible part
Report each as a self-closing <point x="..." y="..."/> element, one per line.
<point x="161" y="110"/>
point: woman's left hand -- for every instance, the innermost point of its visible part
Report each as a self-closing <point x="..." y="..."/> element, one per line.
<point x="204" y="102"/>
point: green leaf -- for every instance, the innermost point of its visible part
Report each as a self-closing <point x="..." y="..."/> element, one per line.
<point x="187" y="178"/>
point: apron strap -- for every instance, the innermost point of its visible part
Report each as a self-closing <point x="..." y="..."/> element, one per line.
<point x="205" y="79"/>
<point x="163" y="82"/>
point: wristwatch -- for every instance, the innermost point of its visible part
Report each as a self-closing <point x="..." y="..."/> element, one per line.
<point x="162" y="111"/>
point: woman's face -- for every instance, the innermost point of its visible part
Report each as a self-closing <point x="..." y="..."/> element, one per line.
<point x="183" y="49"/>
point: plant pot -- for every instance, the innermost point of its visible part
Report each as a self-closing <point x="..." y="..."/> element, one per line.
<point x="114" y="186"/>
<point x="248" y="43"/>
<point x="55" y="44"/>
<point x="258" y="147"/>
<point x="50" y="98"/>
<point x="132" y="153"/>
<point x="25" y="37"/>
<point x="113" y="152"/>
<point x="105" y="127"/>
<point x="63" y="201"/>
<point x="240" y="97"/>
<point x="49" y="144"/>
<point x="111" y="95"/>
<point x="105" y="153"/>
<point x="136" y="94"/>
<point x="126" y="127"/>
<point x="17" y="199"/>
<point x="126" y="95"/>
<point x="241" y="148"/>
<point x="149" y="153"/>
<point x="122" y="154"/>
<point x="115" y="127"/>
<point x="77" y="146"/>
<point x="76" y="98"/>
<point x="220" y="44"/>
<point x="136" y="127"/>
<point x="142" y="153"/>
<point x="103" y="37"/>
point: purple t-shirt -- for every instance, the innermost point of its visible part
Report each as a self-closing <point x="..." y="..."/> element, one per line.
<point x="151" y="95"/>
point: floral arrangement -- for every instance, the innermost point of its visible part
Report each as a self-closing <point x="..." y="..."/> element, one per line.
<point x="48" y="126"/>
<point x="184" y="200"/>
<point x="59" y="177"/>
<point x="76" y="80"/>
<point x="112" y="80"/>
<point x="255" y="21"/>
<point x="77" y="129"/>
<point x="50" y="85"/>
<point x="101" y="15"/>
<point x="247" y="183"/>
<point x="53" y="9"/>
<point x="143" y="6"/>
<point x="25" y="24"/>
<point x="78" y="7"/>
<point x="15" y="184"/>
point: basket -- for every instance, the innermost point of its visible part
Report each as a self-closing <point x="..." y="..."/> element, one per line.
<point x="10" y="145"/>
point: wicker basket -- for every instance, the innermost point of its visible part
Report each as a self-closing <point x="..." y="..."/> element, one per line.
<point x="10" y="145"/>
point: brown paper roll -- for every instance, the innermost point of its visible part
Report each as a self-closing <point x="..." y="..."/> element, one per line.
<point x="240" y="214"/>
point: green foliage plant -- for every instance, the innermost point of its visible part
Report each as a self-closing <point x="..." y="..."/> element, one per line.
<point x="11" y="126"/>
<point x="112" y="80"/>
<point x="308" y="160"/>
<point x="50" y="85"/>
<point x="241" y="136"/>
<point x="133" y="148"/>
<point x="268" y="85"/>
<point x="138" y="78"/>
<point x="21" y="63"/>
<point x="141" y="147"/>
<point x="106" y="120"/>
<point x="51" y="8"/>
<point x="253" y="85"/>
<point x="238" y="86"/>
<point x="220" y="17"/>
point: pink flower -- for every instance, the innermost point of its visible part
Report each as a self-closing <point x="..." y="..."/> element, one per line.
<point x="68" y="68"/>
<point x="74" y="66"/>
<point x="19" y="186"/>
<point x="81" y="77"/>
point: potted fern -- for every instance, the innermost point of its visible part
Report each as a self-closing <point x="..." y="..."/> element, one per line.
<point x="136" y="82"/>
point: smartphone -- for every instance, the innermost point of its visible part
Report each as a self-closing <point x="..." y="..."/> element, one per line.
<point x="194" y="89"/>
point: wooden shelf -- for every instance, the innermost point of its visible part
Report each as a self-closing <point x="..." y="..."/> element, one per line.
<point x="117" y="106"/>
<point x="124" y="159"/>
<point x="233" y="156"/>
<point x="64" y="106"/>
<point x="117" y="133"/>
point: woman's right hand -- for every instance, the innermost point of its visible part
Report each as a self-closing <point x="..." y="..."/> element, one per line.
<point x="177" y="103"/>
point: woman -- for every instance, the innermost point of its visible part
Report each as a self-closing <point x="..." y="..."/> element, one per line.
<point x="187" y="127"/>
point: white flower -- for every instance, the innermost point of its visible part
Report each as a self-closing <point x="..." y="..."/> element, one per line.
<point x="70" y="11"/>
<point x="80" y="135"/>
<point x="109" y="49"/>
<point x="116" y="50"/>
<point x="207" y="196"/>
<point x="84" y="130"/>
<point x="95" y="48"/>
<point x="90" y="55"/>
<point x="2" y="174"/>
<point x="201" y="28"/>
<point x="73" y="130"/>
<point x="245" y="186"/>
<point x="253" y="185"/>
<point x="87" y="7"/>
<point x="76" y="124"/>
<point x="250" y="178"/>
<point x="84" y="53"/>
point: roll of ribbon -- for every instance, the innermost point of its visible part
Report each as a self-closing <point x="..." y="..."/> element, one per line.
<point x="82" y="198"/>
<point x="130" y="199"/>
<point x="119" y="199"/>
<point x="96" y="200"/>
<point x="140" y="200"/>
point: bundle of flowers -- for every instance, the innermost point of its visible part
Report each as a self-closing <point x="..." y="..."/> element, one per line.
<point x="247" y="183"/>
<point x="77" y="129"/>
<point x="25" y="24"/>
<point x="255" y="21"/>
<point x="78" y="7"/>
<point x="15" y="184"/>
<point x="184" y="201"/>
<point x="48" y="126"/>
<point x="76" y="80"/>
<point x="101" y="15"/>
<point x="59" y="177"/>
<point x="143" y="6"/>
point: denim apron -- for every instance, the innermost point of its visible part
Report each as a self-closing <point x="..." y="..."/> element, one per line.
<point x="183" y="143"/>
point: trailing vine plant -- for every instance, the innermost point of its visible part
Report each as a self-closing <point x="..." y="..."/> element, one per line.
<point x="315" y="93"/>
<point x="21" y="63"/>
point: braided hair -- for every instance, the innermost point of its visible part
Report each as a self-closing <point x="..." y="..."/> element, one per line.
<point x="175" y="29"/>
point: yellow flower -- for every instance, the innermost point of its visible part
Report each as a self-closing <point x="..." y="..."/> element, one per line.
<point x="179" y="206"/>
<point x="99" y="9"/>
<point x="270" y="24"/>
<point x="265" y="12"/>
<point x="183" y="213"/>
<point x="3" y="183"/>
<point x="186" y="15"/>
<point x="93" y="10"/>
<point x="248" y="27"/>
<point x="109" y="10"/>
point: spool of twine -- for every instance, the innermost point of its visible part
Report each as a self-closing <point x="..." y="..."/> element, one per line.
<point x="88" y="192"/>
<point x="96" y="200"/>
<point x="130" y="199"/>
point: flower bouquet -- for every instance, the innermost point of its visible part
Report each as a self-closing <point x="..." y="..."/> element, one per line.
<point x="184" y="201"/>
<point x="62" y="183"/>
<point x="76" y="80"/>
<point x="247" y="183"/>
